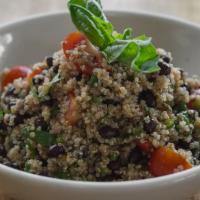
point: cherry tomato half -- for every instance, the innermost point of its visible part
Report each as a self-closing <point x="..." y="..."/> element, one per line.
<point x="14" y="73"/>
<point x="71" y="41"/>
<point x="34" y="73"/>
<point x="164" y="161"/>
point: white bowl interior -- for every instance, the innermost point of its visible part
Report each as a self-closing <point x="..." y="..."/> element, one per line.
<point x="32" y="40"/>
<point x="29" y="41"/>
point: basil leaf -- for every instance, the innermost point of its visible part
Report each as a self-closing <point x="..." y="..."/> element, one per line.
<point x="45" y="138"/>
<point x="79" y="2"/>
<point x="124" y="50"/>
<point x="99" y="2"/>
<point x="147" y="60"/>
<point x="127" y="33"/>
<point x="97" y="30"/>
<point x="95" y="7"/>
<point x="139" y="52"/>
<point x="129" y="53"/>
<point x="114" y="51"/>
<point x="148" y="67"/>
<point x="146" y="53"/>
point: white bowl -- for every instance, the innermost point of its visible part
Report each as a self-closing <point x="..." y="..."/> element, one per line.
<point x="29" y="41"/>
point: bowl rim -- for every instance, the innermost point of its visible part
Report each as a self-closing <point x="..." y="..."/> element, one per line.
<point x="150" y="182"/>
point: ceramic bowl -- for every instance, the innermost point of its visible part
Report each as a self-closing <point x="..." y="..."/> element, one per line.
<point x="30" y="40"/>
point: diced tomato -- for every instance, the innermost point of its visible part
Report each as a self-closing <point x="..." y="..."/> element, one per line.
<point x="145" y="145"/>
<point x="164" y="161"/>
<point x="14" y="73"/>
<point x="34" y="73"/>
<point x="71" y="116"/>
<point x="194" y="104"/>
<point x="87" y="70"/>
<point x="72" y="40"/>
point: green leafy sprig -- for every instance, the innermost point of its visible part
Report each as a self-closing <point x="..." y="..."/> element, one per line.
<point x="139" y="53"/>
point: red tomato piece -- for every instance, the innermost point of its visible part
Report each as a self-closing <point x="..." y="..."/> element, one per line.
<point x="71" y="116"/>
<point x="14" y="73"/>
<point x="72" y="40"/>
<point x="87" y="70"/>
<point x="145" y="145"/>
<point x="34" y="73"/>
<point x="194" y="104"/>
<point x="164" y="161"/>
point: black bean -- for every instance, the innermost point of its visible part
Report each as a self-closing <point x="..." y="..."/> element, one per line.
<point x="56" y="150"/>
<point x="11" y="102"/>
<point x="10" y="91"/>
<point x="149" y="127"/>
<point x="49" y="102"/>
<point x="26" y="115"/>
<point x="108" y="132"/>
<point x="18" y="119"/>
<point x="49" y="61"/>
<point x="37" y="80"/>
<point x="55" y="69"/>
<point x="124" y="160"/>
<point x="40" y="122"/>
<point x="2" y="152"/>
<point x="44" y="162"/>
<point x="135" y="156"/>
<point x="187" y="87"/>
<point x="114" y="165"/>
<point x="85" y="151"/>
<point x="3" y="126"/>
<point x="164" y="69"/>
<point x="149" y="98"/>
<point x="130" y="78"/>
<point x="79" y="77"/>
<point x="182" y="144"/>
<point x="111" y="102"/>
<point x="166" y="59"/>
<point x="151" y="78"/>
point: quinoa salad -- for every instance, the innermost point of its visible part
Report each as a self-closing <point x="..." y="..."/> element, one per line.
<point x="107" y="106"/>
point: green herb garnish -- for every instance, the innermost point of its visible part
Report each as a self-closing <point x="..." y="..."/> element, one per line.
<point x="45" y="138"/>
<point x="33" y="151"/>
<point x="169" y="123"/>
<point x="93" y="80"/>
<point x="1" y="115"/>
<point x="138" y="53"/>
<point x="181" y="106"/>
<point x="62" y="175"/>
<point x="27" y="167"/>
